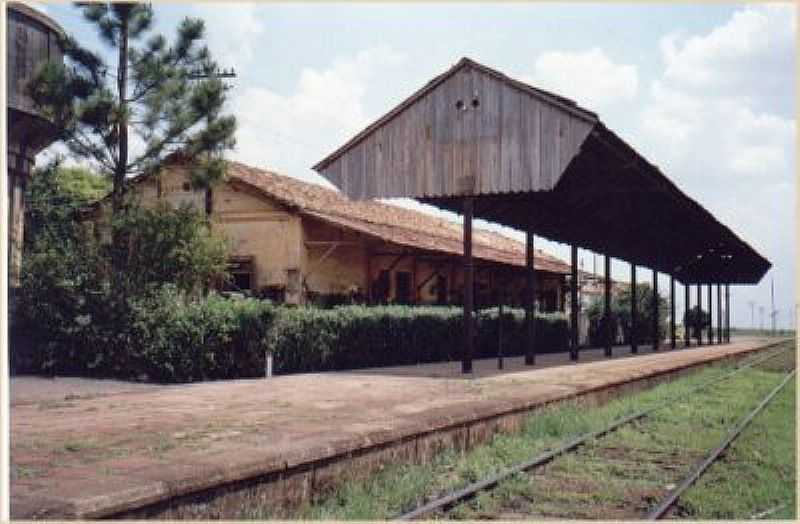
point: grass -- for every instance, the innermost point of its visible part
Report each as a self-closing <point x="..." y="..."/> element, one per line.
<point x="399" y="488"/>
<point x="757" y="474"/>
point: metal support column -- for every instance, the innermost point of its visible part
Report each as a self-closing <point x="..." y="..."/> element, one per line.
<point x="699" y="316"/>
<point x="672" y="312"/>
<point x="500" y="331"/>
<point x="654" y="312"/>
<point x="530" y="301"/>
<point x="466" y="362"/>
<point x="573" y="319"/>
<point x="607" y="307"/>
<point x="634" y="314"/>
<point x="710" y="317"/>
<point x="727" y="313"/>
<point x="687" y="306"/>
<point x="719" y="314"/>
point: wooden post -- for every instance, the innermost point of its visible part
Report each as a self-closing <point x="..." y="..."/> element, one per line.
<point x="719" y="314"/>
<point x="672" y="311"/>
<point x="710" y="317"/>
<point x="634" y="314"/>
<point x="607" y="306"/>
<point x="466" y="362"/>
<point x="573" y="323"/>
<point x="700" y="313"/>
<point x="687" y="306"/>
<point x="530" y="301"/>
<point x="654" y="312"/>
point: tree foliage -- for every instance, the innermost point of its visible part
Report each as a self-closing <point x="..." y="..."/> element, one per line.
<point x="66" y="306"/>
<point x="169" y="245"/>
<point x="697" y="320"/>
<point x="621" y="315"/>
<point x="165" y="94"/>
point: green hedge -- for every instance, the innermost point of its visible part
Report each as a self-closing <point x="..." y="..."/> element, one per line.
<point x="178" y="341"/>
<point x="167" y="338"/>
<point x="161" y="338"/>
<point x="350" y="337"/>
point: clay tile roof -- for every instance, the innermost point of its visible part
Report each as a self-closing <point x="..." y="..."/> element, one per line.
<point x="388" y="222"/>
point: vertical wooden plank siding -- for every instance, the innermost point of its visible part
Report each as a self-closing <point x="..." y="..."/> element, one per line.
<point x="549" y="159"/>
<point x="531" y="136"/>
<point x="511" y="141"/>
<point x="511" y="148"/>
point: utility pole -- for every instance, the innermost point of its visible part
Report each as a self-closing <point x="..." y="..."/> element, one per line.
<point x="205" y="75"/>
<point x="761" y="317"/>
<point x="752" y="304"/>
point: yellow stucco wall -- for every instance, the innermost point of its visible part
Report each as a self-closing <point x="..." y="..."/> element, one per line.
<point x="307" y="256"/>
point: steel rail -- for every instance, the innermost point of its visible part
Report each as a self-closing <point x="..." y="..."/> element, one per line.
<point x="490" y="482"/>
<point x="672" y="497"/>
<point x="767" y="512"/>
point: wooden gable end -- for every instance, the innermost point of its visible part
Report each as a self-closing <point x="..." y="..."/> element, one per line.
<point x="473" y="132"/>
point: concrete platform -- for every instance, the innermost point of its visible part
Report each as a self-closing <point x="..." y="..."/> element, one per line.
<point x="89" y="449"/>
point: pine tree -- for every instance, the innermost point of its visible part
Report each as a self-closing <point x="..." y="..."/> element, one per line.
<point x="166" y="96"/>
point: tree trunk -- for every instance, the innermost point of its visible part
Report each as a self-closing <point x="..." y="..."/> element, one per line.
<point x="118" y="193"/>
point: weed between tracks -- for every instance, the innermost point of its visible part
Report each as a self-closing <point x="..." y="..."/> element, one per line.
<point x="757" y="474"/>
<point x="618" y="476"/>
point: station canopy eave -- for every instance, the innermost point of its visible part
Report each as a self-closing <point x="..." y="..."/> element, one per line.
<point x="535" y="161"/>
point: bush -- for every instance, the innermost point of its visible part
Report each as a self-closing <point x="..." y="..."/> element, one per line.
<point x="179" y="340"/>
<point x="349" y="337"/>
<point x="621" y="316"/>
<point x="162" y="337"/>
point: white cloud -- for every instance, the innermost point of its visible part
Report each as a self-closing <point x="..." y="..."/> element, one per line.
<point x="750" y="55"/>
<point x="590" y="77"/>
<point x="686" y="130"/>
<point x="233" y="32"/>
<point x="720" y="120"/>
<point x="291" y="132"/>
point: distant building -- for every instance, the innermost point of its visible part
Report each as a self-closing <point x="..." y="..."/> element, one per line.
<point x="298" y="242"/>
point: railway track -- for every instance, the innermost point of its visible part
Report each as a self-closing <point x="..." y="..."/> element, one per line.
<point x="558" y="490"/>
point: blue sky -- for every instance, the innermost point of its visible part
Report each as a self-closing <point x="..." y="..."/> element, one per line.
<point x="706" y="92"/>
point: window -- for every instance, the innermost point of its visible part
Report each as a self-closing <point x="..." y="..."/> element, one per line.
<point x="441" y="290"/>
<point x="241" y="275"/>
<point x="381" y="287"/>
<point x="403" y="287"/>
<point x="294" y="286"/>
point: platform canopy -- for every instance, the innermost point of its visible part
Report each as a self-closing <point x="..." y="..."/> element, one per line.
<point x="538" y="162"/>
